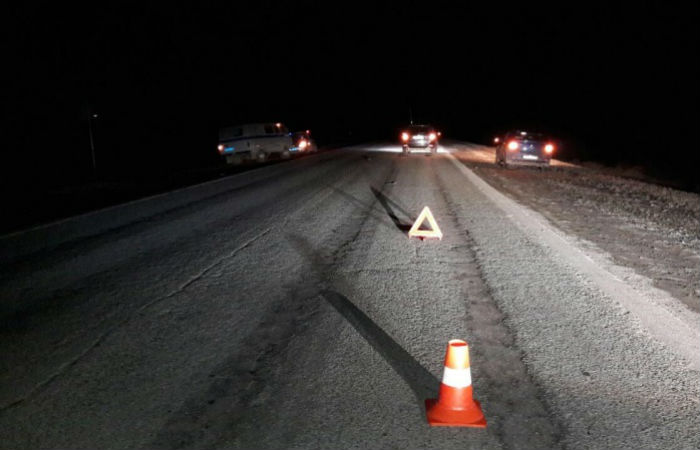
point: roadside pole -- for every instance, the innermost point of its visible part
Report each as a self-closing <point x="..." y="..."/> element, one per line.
<point x="92" y="143"/>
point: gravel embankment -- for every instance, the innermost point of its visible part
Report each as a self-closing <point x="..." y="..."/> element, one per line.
<point x="651" y="229"/>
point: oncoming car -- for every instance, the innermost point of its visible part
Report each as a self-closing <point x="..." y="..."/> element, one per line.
<point x="302" y="142"/>
<point x="522" y="147"/>
<point x="423" y="137"/>
<point x="255" y="141"/>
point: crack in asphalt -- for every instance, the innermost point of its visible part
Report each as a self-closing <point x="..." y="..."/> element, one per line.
<point x="265" y="344"/>
<point x="65" y="366"/>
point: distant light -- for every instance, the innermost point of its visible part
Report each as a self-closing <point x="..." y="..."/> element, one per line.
<point x="523" y="133"/>
<point x="513" y="145"/>
<point x="94" y="116"/>
<point x="221" y="148"/>
<point x="405" y="136"/>
<point x="303" y="144"/>
<point x="496" y="140"/>
<point x="278" y="124"/>
<point x="432" y="136"/>
<point x="308" y="131"/>
<point x="549" y="148"/>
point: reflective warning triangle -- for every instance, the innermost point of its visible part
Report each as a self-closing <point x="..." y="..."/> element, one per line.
<point x="434" y="232"/>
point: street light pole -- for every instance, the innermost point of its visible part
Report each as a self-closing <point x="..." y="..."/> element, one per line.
<point x="92" y="142"/>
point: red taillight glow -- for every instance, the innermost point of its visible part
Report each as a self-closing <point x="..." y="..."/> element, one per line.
<point x="549" y="148"/>
<point x="405" y="136"/>
<point x="513" y="145"/>
<point x="303" y="144"/>
<point x="432" y="136"/>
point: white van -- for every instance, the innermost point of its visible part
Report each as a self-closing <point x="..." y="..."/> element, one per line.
<point x="255" y="141"/>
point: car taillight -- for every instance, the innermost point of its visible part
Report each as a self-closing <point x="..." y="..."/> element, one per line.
<point x="303" y="144"/>
<point x="432" y="136"/>
<point x="221" y="148"/>
<point x="405" y="136"/>
<point x="513" y="145"/>
<point x="549" y="148"/>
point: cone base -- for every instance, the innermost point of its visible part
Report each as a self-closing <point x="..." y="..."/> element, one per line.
<point x="439" y="416"/>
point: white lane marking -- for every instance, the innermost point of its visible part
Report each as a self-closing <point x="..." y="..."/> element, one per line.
<point x="680" y="332"/>
<point x="457" y="378"/>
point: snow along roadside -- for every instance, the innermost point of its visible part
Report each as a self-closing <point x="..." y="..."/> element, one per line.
<point x="678" y="329"/>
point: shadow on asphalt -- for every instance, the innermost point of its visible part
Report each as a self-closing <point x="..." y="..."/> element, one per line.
<point x="387" y="203"/>
<point x="363" y="206"/>
<point x="419" y="379"/>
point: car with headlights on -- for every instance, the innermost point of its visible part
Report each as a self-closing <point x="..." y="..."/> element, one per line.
<point x="419" y="137"/>
<point x="303" y="143"/>
<point x="524" y="148"/>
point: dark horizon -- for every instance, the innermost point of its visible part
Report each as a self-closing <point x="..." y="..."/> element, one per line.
<point x="614" y="84"/>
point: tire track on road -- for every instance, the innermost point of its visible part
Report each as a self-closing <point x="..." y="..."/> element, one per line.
<point x="514" y="403"/>
<point x="215" y="414"/>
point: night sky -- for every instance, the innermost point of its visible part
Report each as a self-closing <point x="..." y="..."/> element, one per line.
<point x="615" y="83"/>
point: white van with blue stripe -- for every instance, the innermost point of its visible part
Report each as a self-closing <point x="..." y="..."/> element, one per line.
<point x="255" y="141"/>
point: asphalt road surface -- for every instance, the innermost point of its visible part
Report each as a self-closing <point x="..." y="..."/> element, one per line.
<point x="294" y="312"/>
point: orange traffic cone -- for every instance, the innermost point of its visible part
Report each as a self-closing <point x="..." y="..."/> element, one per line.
<point x="455" y="406"/>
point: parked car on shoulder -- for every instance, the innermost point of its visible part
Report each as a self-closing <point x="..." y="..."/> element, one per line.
<point x="524" y="147"/>
<point x="254" y="142"/>
<point x="423" y="137"/>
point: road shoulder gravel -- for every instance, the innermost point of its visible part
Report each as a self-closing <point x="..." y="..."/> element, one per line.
<point x="613" y="383"/>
